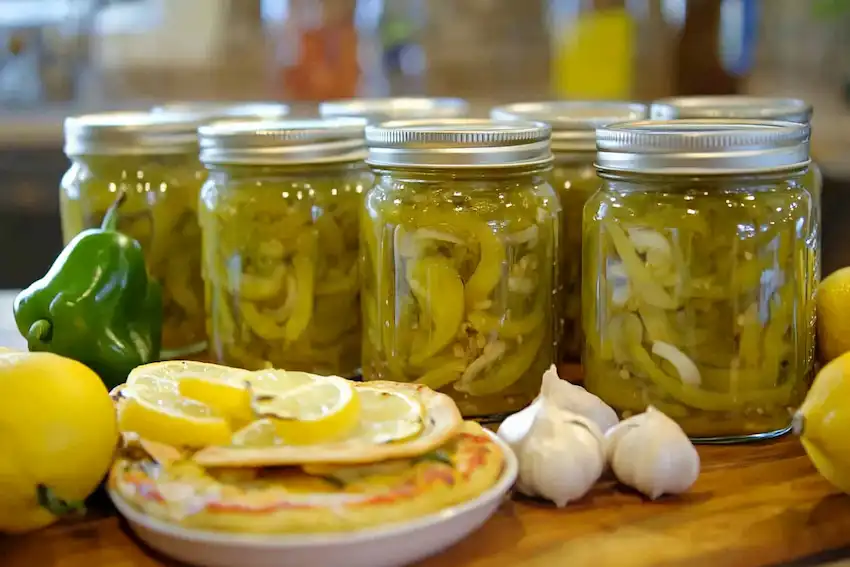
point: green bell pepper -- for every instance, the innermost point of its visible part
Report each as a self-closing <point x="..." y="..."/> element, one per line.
<point x="96" y="304"/>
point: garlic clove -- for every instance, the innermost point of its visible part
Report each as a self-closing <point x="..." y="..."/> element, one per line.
<point x="616" y="433"/>
<point x="577" y="400"/>
<point x="514" y="429"/>
<point x="562" y="457"/>
<point x="652" y="454"/>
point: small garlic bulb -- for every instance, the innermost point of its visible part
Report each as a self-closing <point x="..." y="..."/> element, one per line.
<point x="562" y="456"/>
<point x="650" y="453"/>
<point x="577" y="400"/>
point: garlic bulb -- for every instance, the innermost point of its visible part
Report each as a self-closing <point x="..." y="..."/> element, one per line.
<point x="562" y="456"/>
<point x="650" y="453"/>
<point x="515" y="428"/>
<point x="577" y="400"/>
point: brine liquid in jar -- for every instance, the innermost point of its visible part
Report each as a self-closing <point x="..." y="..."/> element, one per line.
<point x="459" y="259"/>
<point x="698" y="277"/>
<point x="280" y="221"/>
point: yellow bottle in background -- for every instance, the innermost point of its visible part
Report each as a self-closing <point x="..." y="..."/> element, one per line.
<point x="593" y="56"/>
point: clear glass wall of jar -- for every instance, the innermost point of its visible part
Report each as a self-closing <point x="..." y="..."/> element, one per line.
<point x="154" y="158"/>
<point x="574" y="126"/>
<point x="395" y="108"/>
<point x="750" y="108"/>
<point x="280" y="222"/>
<point x="697" y="274"/>
<point x="459" y="245"/>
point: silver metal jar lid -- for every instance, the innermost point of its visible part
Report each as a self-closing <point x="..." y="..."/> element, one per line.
<point x="702" y="146"/>
<point x="401" y="108"/>
<point x="458" y="143"/>
<point x="283" y="142"/>
<point x="207" y="111"/>
<point x="130" y="133"/>
<point x="732" y="106"/>
<point x="573" y="123"/>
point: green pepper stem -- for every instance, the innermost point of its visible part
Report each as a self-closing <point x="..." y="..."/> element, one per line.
<point x="110" y="219"/>
<point x="48" y="500"/>
<point x="40" y="332"/>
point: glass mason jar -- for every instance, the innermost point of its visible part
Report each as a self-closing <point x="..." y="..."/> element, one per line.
<point x="459" y="245"/>
<point x="698" y="282"/>
<point x="399" y="108"/>
<point x="279" y="217"/>
<point x="154" y="159"/>
<point x="751" y="108"/>
<point x="574" y="126"/>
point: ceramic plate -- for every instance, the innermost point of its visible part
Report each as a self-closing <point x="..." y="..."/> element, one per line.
<point x="387" y="546"/>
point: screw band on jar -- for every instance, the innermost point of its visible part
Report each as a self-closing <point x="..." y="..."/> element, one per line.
<point x="573" y="123"/>
<point x="400" y="108"/>
<point x="707" y="147"/>
<point x="210" y="111"/>
<point x="130" y="133"/>
<point x="732" y="106"/>
<point x="283" y="142"/>
<point x="458" y="143"/>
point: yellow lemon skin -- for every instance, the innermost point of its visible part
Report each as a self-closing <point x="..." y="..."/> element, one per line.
<point x="823" y="423"/>
<point x="833" y="315"/>
<point x="57" y="430"/>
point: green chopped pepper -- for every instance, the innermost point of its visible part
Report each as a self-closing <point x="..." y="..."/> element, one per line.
<point x="96" y="304"/>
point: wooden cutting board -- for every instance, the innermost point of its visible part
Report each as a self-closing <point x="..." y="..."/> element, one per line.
<point x="753" y="506"/>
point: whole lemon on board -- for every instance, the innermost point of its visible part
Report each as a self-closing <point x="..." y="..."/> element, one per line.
<point x="823" y="422"/>
<point x="57" y="437"/>
<point x="833" y="310"/>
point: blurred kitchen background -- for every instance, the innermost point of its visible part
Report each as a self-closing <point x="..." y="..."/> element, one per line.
<point x="61" y="57"/>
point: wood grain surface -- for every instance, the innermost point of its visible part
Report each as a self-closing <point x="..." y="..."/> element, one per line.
<point x="753" y="505"/>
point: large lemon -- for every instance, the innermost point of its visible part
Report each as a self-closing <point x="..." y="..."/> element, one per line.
<point x="823" y="422"/>
<point x="57" y="437"/>
<point x="833" y="310"/>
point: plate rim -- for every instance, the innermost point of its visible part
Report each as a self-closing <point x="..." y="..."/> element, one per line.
<point x="502" y="486"/>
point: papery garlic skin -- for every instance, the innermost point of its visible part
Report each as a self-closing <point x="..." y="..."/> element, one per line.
<point x="515" y="428"/>
<point x="650" y="453"/>
<point x="562" y="457"/>
<point x="577" y="400"/>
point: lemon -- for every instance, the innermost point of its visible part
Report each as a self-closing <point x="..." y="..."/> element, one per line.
<point x="306" y="408"/>
<point x="57" y="437"/>
<point x="154" y="411"/>
<point x="230" y="398"/>
<point x="260" y="433"/>
<point x="823" y="422"/>
<point x="833" y="307"/>
<point x="388" y="416"/>
<point x="175" y="370"/>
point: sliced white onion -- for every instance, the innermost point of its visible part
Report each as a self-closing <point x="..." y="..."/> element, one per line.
<point x="616" y="270"/>
<point x="621" y="294"/>
<point x="645" y="239"/>
<point x="523" y="236"/>
<point x="688" y="371"/>
<point x="431" y="234"/>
